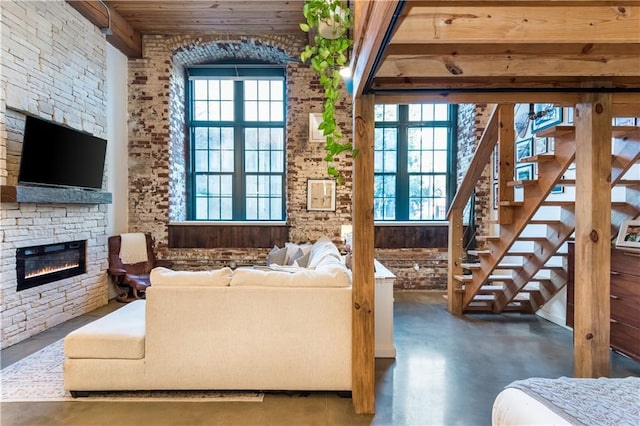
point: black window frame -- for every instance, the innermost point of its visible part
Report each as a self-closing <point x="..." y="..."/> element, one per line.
<point x="238" y="73"/>
<point x="402" y="174"/>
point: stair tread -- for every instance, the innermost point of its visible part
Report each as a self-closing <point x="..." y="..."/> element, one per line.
<point x="488" y="238"/>
<point x="479" y="252"/>
<point x="528" y="182"/>
<point x="511" y="203"/>
<point x="555" y="131"/>
<point x="625" y="131"/>
<point x="537" y="158"/>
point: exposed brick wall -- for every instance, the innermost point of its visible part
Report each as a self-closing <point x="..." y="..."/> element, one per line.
<point x="53" y="66"/>
<point x="158" y="142"/>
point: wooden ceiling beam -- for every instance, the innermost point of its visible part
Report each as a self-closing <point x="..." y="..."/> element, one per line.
<point x="507" y="47"/>
<point x="623" y="105"/>
<point x="542" y="23"/>
<point x="124" y="37"/>
<point x="371" y="19"/>
<point x="500" y="83"/>
<point x="510" y="65"/>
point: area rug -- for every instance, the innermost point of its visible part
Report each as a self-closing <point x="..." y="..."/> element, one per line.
<point x="38" y="377"/>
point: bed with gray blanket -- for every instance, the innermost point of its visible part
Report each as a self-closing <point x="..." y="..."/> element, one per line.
<point x="568" y="401"/>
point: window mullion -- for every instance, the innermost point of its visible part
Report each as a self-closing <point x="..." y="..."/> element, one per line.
<point x="402" y="174"/>
<point x="239" y="198"/>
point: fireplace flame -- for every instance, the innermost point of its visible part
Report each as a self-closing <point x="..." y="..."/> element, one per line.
<point x="51" y="269"/>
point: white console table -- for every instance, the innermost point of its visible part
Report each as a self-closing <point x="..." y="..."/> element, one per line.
<point x="384" y="312"/>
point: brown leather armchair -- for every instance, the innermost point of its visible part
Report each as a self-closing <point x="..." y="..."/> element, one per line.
<point x="131" y="279"/>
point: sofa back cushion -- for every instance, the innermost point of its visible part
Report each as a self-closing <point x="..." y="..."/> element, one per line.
<point x="330" y="276"/>
<point x="320" y="250"/>
<point x="167" y="277"/>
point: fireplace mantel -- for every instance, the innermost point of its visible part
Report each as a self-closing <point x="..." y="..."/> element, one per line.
<point x="52" y="195"/>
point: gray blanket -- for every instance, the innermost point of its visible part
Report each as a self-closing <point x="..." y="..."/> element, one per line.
<point x="597" y="402"/>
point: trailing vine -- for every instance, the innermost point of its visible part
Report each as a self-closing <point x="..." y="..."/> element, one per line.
<point x="327" y="55"/>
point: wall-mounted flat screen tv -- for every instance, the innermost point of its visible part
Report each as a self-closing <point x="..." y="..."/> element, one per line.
<point x="53" y="154"/>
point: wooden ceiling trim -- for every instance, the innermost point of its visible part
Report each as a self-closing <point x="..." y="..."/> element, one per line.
<point x="371" y="19"/>
<point x="499" y="83"/>
<point x="509" y="48"/>
<point x="545" y="23"/>
<point x="509" y="65"/>
<point x="124" y="37"/>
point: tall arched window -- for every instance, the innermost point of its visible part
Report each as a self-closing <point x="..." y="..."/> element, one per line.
<point x="236" y="122"/>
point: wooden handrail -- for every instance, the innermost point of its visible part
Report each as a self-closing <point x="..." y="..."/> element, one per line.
<point x="478" y="163"/>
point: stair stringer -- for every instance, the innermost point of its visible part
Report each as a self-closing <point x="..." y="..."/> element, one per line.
<point x="534" y="196"/>
<point x="626" y="152"/>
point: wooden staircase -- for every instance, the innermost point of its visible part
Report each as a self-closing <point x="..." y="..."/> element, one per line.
<point x="523" y="266"/>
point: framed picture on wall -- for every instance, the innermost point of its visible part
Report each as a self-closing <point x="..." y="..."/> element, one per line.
<point x="524" y="172"/>
<point x="315" y="135"/>
<point x="548" y="116"/>
<point x="629" y="235"/>
<point x="495" y="196"/>
<point x="540" y="146"/>
<point x="523" y="149"/>
<point x="496" y="163"/>
<point x="321" y="195"/>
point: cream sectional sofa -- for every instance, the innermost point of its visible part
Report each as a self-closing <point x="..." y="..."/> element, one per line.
<point x="248" y="329"/>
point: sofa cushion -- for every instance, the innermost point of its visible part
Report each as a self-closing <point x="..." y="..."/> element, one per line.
<point x="330" y="276"/>
<point x="167" y="277"/>
<point x="118" y="335"/>
<point x="300" y="259"/>
<point x="320" y="249"/>
<point x="277" y="256"/>
<point x="296" y="250"/>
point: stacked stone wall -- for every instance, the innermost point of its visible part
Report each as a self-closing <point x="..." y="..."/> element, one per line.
<point x="53" y="66"/>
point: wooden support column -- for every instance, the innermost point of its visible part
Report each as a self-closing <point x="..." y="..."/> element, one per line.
<point x="506" y="143"/>
<point x="593" y="236"/>
<point x="363" y="336"/>
<point x="456" y="251"/>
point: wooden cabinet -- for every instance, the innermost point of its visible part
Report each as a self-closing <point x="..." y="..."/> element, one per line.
<point x="625" y="300"/>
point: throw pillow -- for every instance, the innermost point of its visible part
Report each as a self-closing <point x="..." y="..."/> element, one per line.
<point x="277" y="256"/>
<point x="303" y="260"/>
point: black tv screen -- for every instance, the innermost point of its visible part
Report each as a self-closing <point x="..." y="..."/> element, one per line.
<point x="53" y="154"/>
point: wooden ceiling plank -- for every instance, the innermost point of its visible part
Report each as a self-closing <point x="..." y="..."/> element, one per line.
<point x="541" y="24"/>
<point x="124" y="37"/>
<point x="509" y="65"/>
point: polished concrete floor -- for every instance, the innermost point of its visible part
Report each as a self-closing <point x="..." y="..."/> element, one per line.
<point x="448" y="371"/>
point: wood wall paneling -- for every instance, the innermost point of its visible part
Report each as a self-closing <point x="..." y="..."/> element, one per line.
<point x="227" y="236"/>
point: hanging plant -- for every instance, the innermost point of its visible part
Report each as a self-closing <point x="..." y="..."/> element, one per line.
<point x="331" y="21"/>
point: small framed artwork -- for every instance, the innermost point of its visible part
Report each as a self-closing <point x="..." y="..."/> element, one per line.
<point x="524" y="172"/>
<point x="540" y="146"/>
<point x="495" y="196"/>
<point x="315" y="134"/>
<point x="629" y="235"/>
<point x="321" y="195"/>
<point x="496" y="163"/>
<point x="523" y="149"/>
<point x="546" y="116"/>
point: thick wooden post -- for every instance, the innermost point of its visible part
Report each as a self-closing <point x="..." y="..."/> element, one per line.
<point x="506" y="142"/>
<point x="363" y="345"/>
<point x="593" y="236"/>
<point x="456" y="251"/>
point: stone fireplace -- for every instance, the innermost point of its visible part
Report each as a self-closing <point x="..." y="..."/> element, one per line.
<point x="39" y="265"/>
